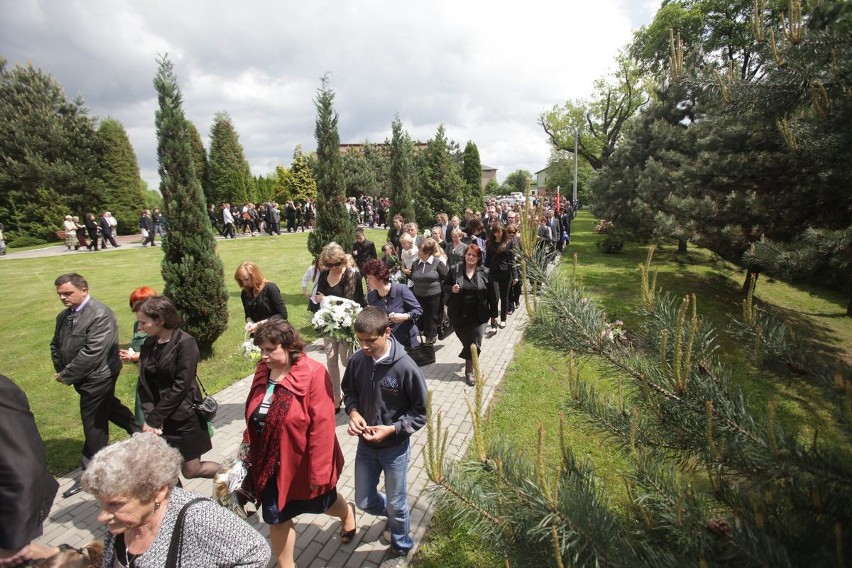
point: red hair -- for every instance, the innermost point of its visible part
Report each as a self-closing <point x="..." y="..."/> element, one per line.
<point x="140" y="294"/>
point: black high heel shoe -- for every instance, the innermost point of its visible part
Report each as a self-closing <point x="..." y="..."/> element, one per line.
<point x="347" y="536"/>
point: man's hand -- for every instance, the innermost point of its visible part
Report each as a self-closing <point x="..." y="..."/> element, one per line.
<point x="378" y="433"/>
<point x="357" y="424"/>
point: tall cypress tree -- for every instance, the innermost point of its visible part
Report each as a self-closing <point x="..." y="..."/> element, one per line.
<point x="199" y="158"/>
<point x="440" y="180"/>
<point x="401" y="168"/>
<point x="333" y="222"/>
<point x="192" y="271"/>
<point x="123" y="194"/>
<point x="230" y="175"/>
<point x="472" y="177"/>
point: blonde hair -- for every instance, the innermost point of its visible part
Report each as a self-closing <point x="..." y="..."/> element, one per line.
<point x="332" y="253"/>
<point x="258" y="281"/>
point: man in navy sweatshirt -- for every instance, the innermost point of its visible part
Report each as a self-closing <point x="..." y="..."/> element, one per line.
<point x="385" y="397"/>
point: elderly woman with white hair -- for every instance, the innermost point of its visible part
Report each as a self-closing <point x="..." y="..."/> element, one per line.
<point x="135" y="483"/>
<point x="70" y="229"/>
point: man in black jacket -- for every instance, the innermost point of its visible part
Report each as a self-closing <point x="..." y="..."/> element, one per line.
<point x="362" y="249"/>
<point x="84" y="350"/>
<point x="26" y="488"/>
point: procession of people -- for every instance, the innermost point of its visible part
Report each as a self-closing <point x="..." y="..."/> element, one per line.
<point x="460" y="274"/>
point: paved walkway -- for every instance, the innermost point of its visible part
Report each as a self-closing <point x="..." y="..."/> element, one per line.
<point x="318" y="545"/>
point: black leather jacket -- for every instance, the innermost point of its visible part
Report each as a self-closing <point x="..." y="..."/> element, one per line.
<point x="87" y="349"/>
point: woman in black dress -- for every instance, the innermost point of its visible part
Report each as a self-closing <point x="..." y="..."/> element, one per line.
<point x="500" y="260"/>
<point x="168" y="385"/>
<point x="92" y="228"/>
<point x="466" y="288"/>
<point x="340" y="281"/>
<point x="261" y="298"/>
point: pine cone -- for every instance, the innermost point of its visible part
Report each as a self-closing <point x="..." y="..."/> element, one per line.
<point x="719" y="526"/>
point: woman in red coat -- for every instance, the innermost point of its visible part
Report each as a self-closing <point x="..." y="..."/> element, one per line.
<point x="293" y="450"/>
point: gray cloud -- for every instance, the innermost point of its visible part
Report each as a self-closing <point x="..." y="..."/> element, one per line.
<point x="484" y="70"/>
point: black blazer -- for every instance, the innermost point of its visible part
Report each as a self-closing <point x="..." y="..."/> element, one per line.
<point x="172" y="398"/>
<point x="266" y="304"/>
<point x="456" y="276"/>
<point x="26" y="488"/>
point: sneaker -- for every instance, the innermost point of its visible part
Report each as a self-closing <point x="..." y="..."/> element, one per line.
<point x="395" y="558"/>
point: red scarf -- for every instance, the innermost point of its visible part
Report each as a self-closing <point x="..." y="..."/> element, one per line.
<point x="266" y="458"/>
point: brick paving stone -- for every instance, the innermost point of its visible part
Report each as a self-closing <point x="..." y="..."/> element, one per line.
<point x="74" y="520"/>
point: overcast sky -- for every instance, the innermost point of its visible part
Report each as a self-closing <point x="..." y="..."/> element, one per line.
<point x="486" y="70"/>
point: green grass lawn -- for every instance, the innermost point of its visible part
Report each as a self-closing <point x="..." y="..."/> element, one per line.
<point x="534" y="389"/>
<point x="30" y="306"/>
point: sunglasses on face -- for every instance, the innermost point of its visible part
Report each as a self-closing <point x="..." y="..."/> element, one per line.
<point x="333" y="264"/>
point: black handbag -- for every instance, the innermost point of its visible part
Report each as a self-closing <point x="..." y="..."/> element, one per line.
<point x="422" y="355"/>
<point x="207" y="408"/>
<point x="445" y="328"/>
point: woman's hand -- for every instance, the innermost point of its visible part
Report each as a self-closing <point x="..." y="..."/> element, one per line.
<point x="157" y="431"/>
<point x="128" y="356"/>
<point x="398" y="318"/>
<point x="251" y="327"/>
<point x="456" y="288"/>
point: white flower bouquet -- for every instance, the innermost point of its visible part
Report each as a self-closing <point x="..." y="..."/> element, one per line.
<point x="336" y="319"/>
<point x="249" y="349"/>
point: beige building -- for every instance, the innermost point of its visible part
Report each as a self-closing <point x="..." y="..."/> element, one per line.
<point x="488" y="173"/>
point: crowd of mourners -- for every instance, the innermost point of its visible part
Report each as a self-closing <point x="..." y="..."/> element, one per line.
<point x="458" y="276"/>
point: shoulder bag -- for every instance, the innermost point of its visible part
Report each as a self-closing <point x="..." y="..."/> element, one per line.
<point x="207" y="408"/>
<point x="177" y="535"/>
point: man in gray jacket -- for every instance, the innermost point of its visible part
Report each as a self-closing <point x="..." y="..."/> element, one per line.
<point x="84" y="350"/>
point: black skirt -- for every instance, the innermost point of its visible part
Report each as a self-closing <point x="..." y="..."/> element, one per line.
<point x="189" y="436"/>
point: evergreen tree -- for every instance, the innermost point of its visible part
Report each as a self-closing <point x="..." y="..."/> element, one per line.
<point x="302" y="185"/>
<point x="379" y="162"/>
<point x="358" y="174"/>
<point x="401" y="172"/>
<point x="333" y="223"/>
<point x="50" y="154"/>
<point x="440" y="181"/>
<point x="193" y="273"/>
<point x="124" y="197"/>
<point x="713" y="478"/>
<point x="230" y="177"/>
<point x="472" y="177"/>
<point x="199" y="158"/>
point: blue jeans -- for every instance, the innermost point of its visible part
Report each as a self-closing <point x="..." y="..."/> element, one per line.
<point x="393" y="461"/>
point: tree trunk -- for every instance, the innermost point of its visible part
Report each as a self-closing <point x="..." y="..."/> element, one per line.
<point x="849" y="307"/>
<point x="751" y="275"/>
<point x="681" y="246"/>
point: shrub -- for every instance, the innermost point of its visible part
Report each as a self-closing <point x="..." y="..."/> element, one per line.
<point x="25" y="241"/>
<point x="610" y="244"/>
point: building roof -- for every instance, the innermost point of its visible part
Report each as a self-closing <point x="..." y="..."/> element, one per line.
<point x="488" y="168"/>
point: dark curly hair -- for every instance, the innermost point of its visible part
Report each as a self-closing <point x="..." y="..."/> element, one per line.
<point x="278" y="331"/>
<point x="377" y="268"/>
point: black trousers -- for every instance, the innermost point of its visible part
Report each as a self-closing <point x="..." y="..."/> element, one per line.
<point x="499" y="282"/>
<point x="99" y="407"/>
<point x="432" y="314"/>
